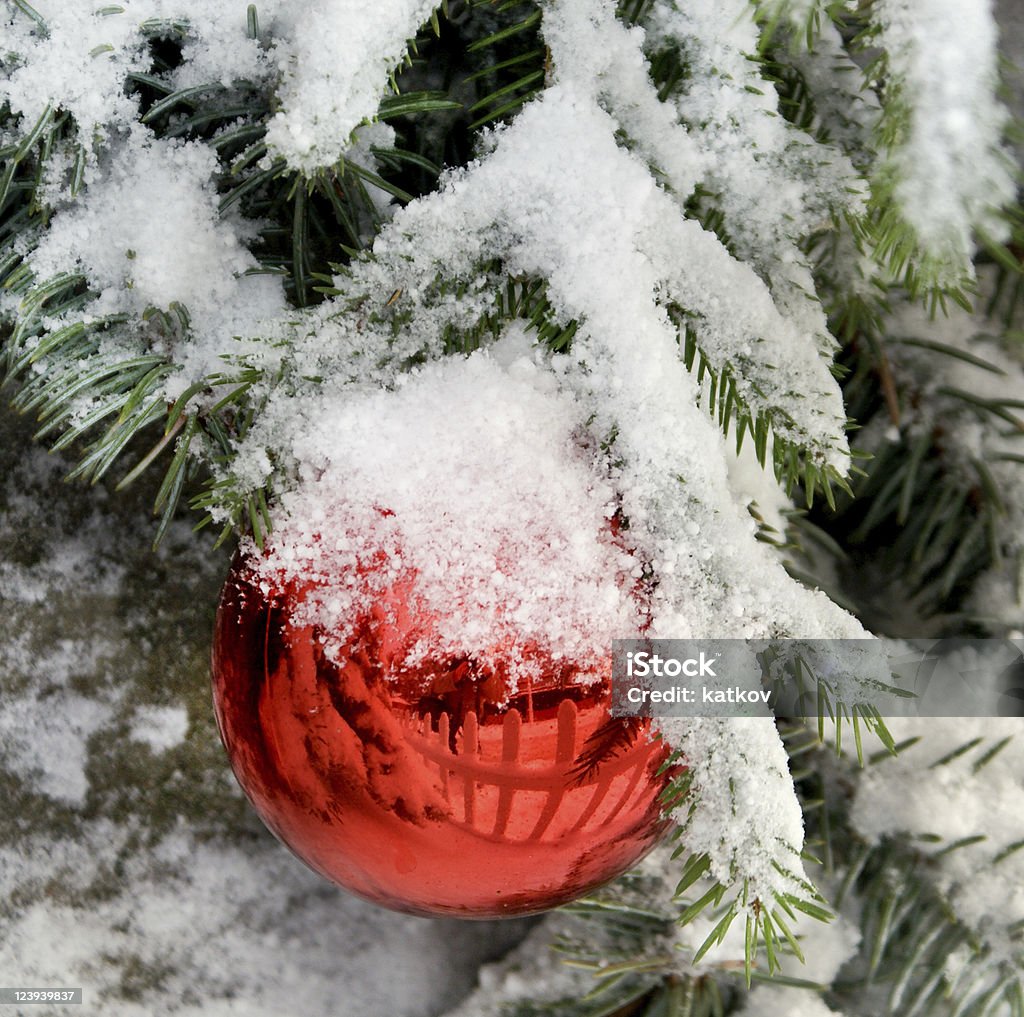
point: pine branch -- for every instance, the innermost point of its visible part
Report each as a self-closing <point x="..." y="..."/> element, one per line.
<point x="76" y="369"/>
<point x="939" y="514"/>
<point x="933" y="187"/>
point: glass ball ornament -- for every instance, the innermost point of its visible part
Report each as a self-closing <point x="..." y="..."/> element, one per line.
<point x="428" y="789"/>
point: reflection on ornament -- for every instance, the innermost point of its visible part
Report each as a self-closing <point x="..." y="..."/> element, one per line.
<point x="428" y="789"/>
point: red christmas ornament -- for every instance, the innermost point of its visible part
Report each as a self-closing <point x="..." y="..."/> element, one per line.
<point x="427" y="789"/>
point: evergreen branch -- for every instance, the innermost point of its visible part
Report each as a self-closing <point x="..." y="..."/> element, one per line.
<point x="794" y="464"/>
<point x="935" y="511"/>
<point x="189" y="96"/>
<point x="608" y="1003"/>
<point x="911" y="938"/>
<point x="64" y="361"/>
<point x="930" y="254"/>
<point x="913" y="948"/>
<point x="510" y="61"/>
<point x="797" y="24"/>
<point x="720" y="890"/>
<point x="1006" y="300"/>
<point x="530" y="20"/>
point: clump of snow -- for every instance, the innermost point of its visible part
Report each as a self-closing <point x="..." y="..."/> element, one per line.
<point x="774" y="184"/>
<point x="748" y="820"/>
<point x="844" y="110"/>
<point x="533" y="971"/>
<point x="45" y="732"/>
<point x="756" y="488"/>
<point x="335" y="64"/>
<point x="471" y="483"/>
<point x="951" y="171"/>
<point x="78" y="64"/>
<point x="592" y="48"/>
<point x="163" y="242"/>
<point x="160" y="727"/>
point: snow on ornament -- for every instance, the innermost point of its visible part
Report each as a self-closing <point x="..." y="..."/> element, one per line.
<point x="413" y="680"/>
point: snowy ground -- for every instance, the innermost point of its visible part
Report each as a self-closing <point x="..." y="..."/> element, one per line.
<point x="130" y="865"/>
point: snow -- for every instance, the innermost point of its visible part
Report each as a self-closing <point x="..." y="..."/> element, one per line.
<point x="774" y="184"/>
<point x="69" y="66"/>
<point x="331" y="62"/>
<point x="748" y="819"/>
<point x="968" y="796"/>
<point x="334" y="64"/>
<point x="776" y="1001"/>
<point x="52" y="755"/>
<point x="160" y="727"/>
<point x="952" y="172"/>
<point x="164" y="243"/>
<point x="524" y="557"/>
<point x="190" y="927"/>
<point x="754" y="486"/>
<point x="844" y="111"/>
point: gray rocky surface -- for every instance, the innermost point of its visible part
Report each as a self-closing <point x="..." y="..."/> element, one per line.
<point x="130" y="864"/>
